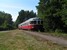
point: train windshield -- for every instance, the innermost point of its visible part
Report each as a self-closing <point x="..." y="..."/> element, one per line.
<point x="40" y="22"/>
<point x="36" y="22"/>
<point x="33" y="22"/>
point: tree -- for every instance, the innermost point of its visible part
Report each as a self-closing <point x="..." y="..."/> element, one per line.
<point x="6" y="22"/>
<point x="24" y="15"/>
<point x="54" y="14"/>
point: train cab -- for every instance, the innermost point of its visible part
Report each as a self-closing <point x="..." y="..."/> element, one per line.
<point x="35" y="24"/>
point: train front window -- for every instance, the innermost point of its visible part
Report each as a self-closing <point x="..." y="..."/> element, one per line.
<point x="33" y="22"/>
<point x="38" y="22"/>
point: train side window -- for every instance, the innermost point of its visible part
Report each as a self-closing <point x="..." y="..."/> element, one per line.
<point x="33" y="22"/>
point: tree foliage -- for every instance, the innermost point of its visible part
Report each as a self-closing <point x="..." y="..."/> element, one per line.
<point x="54" y="14"/>
<point x="24" y="15"/>
<point x="6" y="22"/>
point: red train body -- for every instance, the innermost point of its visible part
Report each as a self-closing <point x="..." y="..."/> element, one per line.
<point x="32" y="24"/>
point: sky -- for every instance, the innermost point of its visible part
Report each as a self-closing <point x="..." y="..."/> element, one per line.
<point x="14" y="6"/>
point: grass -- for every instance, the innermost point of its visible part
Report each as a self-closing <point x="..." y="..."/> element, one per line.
<point x="18" y="40"/>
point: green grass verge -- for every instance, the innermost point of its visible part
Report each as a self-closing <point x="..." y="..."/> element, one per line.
<point x="18" y="40"/>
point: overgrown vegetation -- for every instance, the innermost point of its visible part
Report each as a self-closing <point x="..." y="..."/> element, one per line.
<point x="54" y="14"/>
<point x="18" y="40"/>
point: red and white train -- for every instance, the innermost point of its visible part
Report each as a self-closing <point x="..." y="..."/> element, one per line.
<point x="35" y="24"/>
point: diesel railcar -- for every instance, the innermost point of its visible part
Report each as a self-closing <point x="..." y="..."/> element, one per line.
<point x="35" y="24"/>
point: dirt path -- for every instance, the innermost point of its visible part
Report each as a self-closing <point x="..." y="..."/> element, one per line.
<point x="48" y="37"/>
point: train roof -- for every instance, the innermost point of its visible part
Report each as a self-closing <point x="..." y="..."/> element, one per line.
<point x="31" y="19"/>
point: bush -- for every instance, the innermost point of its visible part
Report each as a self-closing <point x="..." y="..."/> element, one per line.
<point x="58" y="31"/>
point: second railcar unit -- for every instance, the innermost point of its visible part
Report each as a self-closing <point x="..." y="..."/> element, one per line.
<point x="32" y="24"/>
